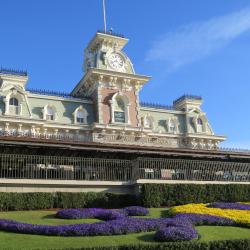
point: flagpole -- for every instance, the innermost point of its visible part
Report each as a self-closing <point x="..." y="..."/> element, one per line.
<point x="104" y="15"/>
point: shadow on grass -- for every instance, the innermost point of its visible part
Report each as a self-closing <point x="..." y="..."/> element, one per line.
<point x="50" y="216"/>
<point x="165" y="213"/>
<point x="147" y="237"/>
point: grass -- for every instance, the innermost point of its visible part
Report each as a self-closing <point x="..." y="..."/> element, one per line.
<point x="28" y="242"/>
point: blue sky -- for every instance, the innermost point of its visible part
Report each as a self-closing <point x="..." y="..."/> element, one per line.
<point x="196" y="47"/>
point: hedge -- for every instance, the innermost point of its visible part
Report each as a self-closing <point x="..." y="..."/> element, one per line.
<point x="156" y="195"/>
<point x="33" y="201"/>
<point x="192" y="245"/>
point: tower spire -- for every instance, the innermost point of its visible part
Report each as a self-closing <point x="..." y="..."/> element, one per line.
<point x="104" y="15"/>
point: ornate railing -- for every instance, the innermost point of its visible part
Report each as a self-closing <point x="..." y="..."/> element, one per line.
<point x="156" y="106"/>
<point x="111" y="33"/>
<point x="191" y="97"/>
<point x="51" y="93"/>
<point x="239" y="150"/>
<point x="15" y="166"/>
<point x="192" y="170"/>
<point x="13" y="72"/>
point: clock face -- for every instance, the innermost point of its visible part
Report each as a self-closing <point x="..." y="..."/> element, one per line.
<point x="116" y="61"/>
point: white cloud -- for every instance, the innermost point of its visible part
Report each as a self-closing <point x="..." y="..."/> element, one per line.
<point x="195" y="41"/>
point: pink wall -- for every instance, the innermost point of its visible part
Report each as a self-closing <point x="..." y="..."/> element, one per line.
<point x="107" y="95"/>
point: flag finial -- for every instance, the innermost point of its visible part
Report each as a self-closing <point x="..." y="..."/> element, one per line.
<point x="104" y="15"/>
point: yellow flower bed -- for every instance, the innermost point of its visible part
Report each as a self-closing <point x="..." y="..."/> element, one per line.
<point x="240" y="216"/>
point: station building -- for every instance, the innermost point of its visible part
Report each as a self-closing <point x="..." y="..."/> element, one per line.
<point x="102" y="137"/>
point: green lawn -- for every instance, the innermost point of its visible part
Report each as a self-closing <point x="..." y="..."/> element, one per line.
<point x="27" y="242"/>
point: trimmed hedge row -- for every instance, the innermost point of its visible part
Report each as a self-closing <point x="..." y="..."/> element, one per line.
<point x="152" y="195"/>
<point x="192" y="245"/>
<point x="156" y="195"/>
<point x="33" y="201"/>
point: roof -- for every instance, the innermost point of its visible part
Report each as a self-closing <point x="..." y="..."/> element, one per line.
<point x="189" y="97"/>
<point x="53" y="93"/>
<point x="13" y="72"/>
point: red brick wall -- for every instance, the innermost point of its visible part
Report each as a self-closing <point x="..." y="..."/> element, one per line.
<point x="107" y="95"/>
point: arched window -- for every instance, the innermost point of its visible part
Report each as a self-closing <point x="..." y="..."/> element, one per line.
<point x="119" y="106"/>
<point x="119" y="110"/>
<point x="13" y="106"/>
<point x="80" y="116"/>
<point x="50" y="113"/>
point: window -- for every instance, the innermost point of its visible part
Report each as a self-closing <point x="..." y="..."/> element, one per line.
<point x="200" y="128"/>
<point x="13" y="106"/>
<point x="148" y="122"/>
<point x="199" y="121"/>
<point x="119" y="110"/>
<point x="172" y="126"/>
<point x="80" y="116"/>
<point x="50" y="114"/>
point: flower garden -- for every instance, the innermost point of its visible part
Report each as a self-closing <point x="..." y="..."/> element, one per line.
<point x="179" y="223"/>
<point x="163" y="216"/>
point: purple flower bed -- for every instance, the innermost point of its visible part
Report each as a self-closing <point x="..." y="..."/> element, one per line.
<point x="229" y="205"/>
<point x="205" y="219"/>
<point x="102" y="214"/>
<point x="176" y="234"/>
<point x="179" y="227"/>
<point x="136" y="211"/>
<point x="84" y="213"/>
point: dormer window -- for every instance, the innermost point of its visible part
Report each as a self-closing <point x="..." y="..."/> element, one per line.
<point x="199" y="121"/>
<point x="13" y="106"/>
<point x="172" y="126"/>
<point x="80" y="115"/>
<point x="49" y="113"/>
<point x="148" y="122"/>
<point x="50" y="116"/>
<point x="200" y="127"/>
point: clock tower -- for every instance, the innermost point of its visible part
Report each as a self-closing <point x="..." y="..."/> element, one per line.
<point x="111" y="82"/>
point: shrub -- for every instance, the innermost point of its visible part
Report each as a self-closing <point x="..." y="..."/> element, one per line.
<point x="156" y="195"/>
<point x="192" y="245"/>
<point x="32" y="201"/>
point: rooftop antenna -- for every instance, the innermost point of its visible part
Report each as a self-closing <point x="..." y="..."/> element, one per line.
<point x="104" y="15"/>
